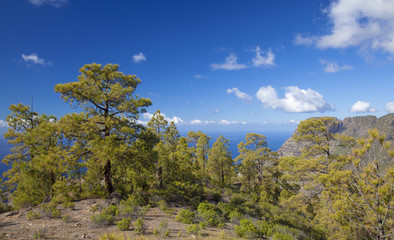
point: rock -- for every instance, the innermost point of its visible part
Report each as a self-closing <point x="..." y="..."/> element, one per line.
<point x="351" y="126"/>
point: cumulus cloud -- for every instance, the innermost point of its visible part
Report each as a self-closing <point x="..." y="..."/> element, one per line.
<point x="3" y="123"/>
<point x="140" y="57"/>
<point x="362" y="107"/>
<point x="198" y="76"/>
<point x="241" y="95"/>
<point x="296" y="100"/>
<point x="389" y="107"/>
<point x="54" y="3"/>
<point x="265" y="61"/>
<point x="33" y="59"/>
<point x="333" y="67"/>
<point x="148" y="116"/>
<point x="229" y="64"/>
<point x="357" y="23"/>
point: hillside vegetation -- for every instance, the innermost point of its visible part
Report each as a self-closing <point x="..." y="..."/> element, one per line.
<point x="103" y="151"/>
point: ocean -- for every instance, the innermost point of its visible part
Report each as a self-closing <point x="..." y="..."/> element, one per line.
<point x="275" y="140"/>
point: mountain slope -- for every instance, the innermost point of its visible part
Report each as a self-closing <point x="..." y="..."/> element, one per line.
<point x="351" y="126"/>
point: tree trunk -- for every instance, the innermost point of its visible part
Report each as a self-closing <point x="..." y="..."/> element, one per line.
<point x="108" y="177"/>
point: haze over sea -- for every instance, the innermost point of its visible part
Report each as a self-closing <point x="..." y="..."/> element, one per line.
<point x="275" y="140"/>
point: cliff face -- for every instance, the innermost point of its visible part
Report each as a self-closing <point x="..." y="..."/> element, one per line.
<point x="350" y="126"/>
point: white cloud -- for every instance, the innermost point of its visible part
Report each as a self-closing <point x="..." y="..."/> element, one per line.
<point x="368" y="24"/>
<point x="265" y="61"/>
<point x="362" y="107"/>
<point x="139" y="57"/>
<point x="333" y="67"/>
<point x="33" y="58"/>
<point x="225" y="122"/>
<point x="241" y="95"/>
<point x="148" y="116"/>
<point x="295" y="101"/>
<point x="229" y="64"/>
<point x="389" y="107"/>
<point x="3" y="123"/>
<point x="198" y="76"/>
<point x="55" y="3"/>
<point x="199" y="122"/>
<point x="300" y="40"/>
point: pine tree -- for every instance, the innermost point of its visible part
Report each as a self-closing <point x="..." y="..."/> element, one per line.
<point x="110" y="118"/>
<point x="220" y="164"/>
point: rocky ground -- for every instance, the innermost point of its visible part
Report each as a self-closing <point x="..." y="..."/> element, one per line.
<point x="77" y="224"/>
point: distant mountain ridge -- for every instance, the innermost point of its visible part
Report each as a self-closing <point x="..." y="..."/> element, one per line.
<point x="350" y="126"/>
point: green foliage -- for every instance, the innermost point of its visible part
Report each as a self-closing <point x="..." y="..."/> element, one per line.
<point x="220" y="165"/>
<point x="70" y="205"/>
<point x="39" y="234"/>
<point x="66" y="218"/>
<point x="114" y="236"/>
<point x="281" y="236"/>
<point x="186" y="216"/>
<point x="163" y="227"/>
<point x="249" y="229"/>
<point x="210" y="214"/>
<point x="32" y="215"/>
<point x="109" y="126"/>
<point x="246" y="229"/>
<point x="139" y="226"/>
<point x="124" y="224"/>
<point x="105" y="216"/>
<point x="194" y="229"/>
<point x="50" y="210"/>
<point x="235" y="217"/>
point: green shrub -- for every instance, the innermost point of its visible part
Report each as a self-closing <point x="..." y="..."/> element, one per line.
<point x="246" y="229"/>
<point x="238" y="199"/>
<point x="264" y="228"/>
<point x="282" y="236"/>
<point x="124" y="224"/>
<point x="50" y="210"/>
<point x="210" y="214"/>
<point x="66" y="218"/>
<point x="125" y="210"/>
<point x="193" y="229"/>
<point x="226" y="209"/>
<point x="95" y="208"/>
<point x="136" y="199"/>
<point x="32" y="215"/>
<point x="185" y="216"/>
<point x="235" y="217"/>
<point x="106" y="216"/>
<point x="139" y="226"/>
<point x="68" y="204"/>
<point x="39" y="234"/>
<point x="163" y="226"/>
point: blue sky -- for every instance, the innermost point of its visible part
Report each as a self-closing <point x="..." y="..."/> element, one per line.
<point x="209" y="65"/>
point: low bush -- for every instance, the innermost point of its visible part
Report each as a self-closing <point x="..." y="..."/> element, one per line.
<point x="139" y="226"/>
<point x="210" y="214"/>
<point x="186" y="216"/>
<point x="246" y="229"/>
<point x="193" y="229"/>
<point x="163" y="227"/>
<point x="33" y="215"/>
<point x="106" y="216"/>
<point x="50" y="210"/>
<point x="235" y="217"/>
<point x="124" y="224"/>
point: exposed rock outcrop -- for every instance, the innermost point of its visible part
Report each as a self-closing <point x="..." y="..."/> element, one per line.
<point x="350" y="126"/>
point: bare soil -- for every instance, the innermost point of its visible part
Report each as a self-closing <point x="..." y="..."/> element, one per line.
<point x="78" y="225"/>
